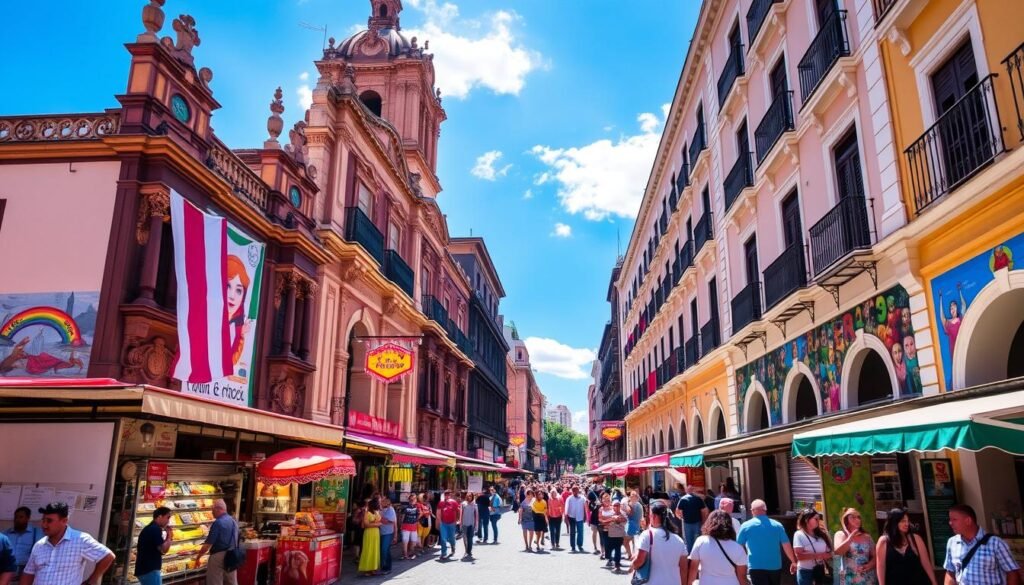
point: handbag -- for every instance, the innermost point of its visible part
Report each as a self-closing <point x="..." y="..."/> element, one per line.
<point x="643" y="573"/>
<point x="822" y="574"/>
<point x="234" y="557"/>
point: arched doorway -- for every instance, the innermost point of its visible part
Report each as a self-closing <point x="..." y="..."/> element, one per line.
<point x="756" y="417"/>
<point x="806" y="404"/>
<point x="990" y="346"/>
<point x="359" y="384"/>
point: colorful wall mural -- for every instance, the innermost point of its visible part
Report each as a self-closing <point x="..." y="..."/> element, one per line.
<point x="953" y="293"/>
<point x="47" y="334"/>
<point x="823" y="349"/>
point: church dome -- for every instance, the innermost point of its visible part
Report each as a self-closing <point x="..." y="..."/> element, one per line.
<point x="376" y="43"/>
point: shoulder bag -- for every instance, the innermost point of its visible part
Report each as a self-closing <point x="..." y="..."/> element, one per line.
<point x="234" y="557"/>
<point x="822" y="574"/>
<point x="643" y="573"/>
<point x="727" y="557"/>
<point x="970" y="554"/>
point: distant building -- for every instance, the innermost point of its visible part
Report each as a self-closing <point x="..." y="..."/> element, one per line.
<point x="559" y="414"/>
<point x="525" y="405"/>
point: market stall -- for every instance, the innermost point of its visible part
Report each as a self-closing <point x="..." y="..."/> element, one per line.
<point x="308" y="547"/>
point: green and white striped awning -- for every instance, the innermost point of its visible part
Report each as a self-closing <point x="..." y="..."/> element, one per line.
<point x="970" y="424"/>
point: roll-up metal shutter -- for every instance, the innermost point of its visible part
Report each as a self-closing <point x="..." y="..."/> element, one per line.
<point x="196" y="470"/>
<point x="804" y="483"/>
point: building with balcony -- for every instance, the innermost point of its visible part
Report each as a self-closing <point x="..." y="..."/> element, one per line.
<point x="525" y="417"/>
<point x="856" y="254"/>
<point x="488" y="392"/>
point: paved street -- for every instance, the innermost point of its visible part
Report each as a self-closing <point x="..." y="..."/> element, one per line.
<point x="504" y="563"/>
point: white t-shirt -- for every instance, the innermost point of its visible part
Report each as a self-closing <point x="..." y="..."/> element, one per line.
<point x="715" y="569"/>
<point x="809" y="544"/>
<point x="666" y="555"/>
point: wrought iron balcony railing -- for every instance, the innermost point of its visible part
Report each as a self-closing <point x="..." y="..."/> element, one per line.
<point x="360" y="229"/>
<point x="882" y="8"/>
<point x="746" y="306"/>
<point x="710" y="336"/>
<point x="1015" y="71"/>
<point x="680" y="357"/>
<point x="739" y="178"/>
<point x="828" y="46"/>
<point x="683" y="180"/>
<point x="843" y="229"/>
<point x="398" y="272"/>
<point x="703" y="231"/>
<point x="692" y="348"/>
<point x="732" y="71"/>
<point x="785" y="275"/>
<point x="777" y="121"/>
<point x="964" y="139"/>
<point x="756" y="15"/>
<point x="698" y="144"/>
<point x="434" y="310"/>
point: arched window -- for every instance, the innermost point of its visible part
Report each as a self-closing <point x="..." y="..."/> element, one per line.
<point x="873" y="384"/>
<point x="671" y="439"/>
<point x="372" y="101"/>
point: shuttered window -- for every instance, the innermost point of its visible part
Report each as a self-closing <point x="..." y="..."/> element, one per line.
<point x="849" y="179"/>
<point x="804" y="483"/>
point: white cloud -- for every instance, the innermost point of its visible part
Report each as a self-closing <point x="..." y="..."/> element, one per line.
<point x="304" y="92"/>
<point x="528" y="194"/>
<point x="470" y="54"/>
<point x="604" y="177"/>
<point x="562" y="230"/>
<point x="558" y="359"/>
<point x="485" y="169"/>
<point x="581" y="422"/>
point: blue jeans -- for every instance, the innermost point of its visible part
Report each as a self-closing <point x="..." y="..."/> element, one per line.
<point x="447" y="538"/>
<point x="576" y="530"/>
<point x="691" y="530"/>
<point x="494" y="527"/>
<point x="151" y="578"/>
<point x="481" y="529"/>
<point x="805" y="577"/>
<point x="385" y="551"/>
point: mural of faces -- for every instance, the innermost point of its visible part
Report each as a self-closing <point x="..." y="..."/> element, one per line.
<point x="823" y="350"/>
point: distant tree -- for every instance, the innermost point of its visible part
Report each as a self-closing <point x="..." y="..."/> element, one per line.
<point x="563" y="443"/>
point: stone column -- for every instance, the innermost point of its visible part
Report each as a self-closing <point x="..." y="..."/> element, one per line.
<point x="154" y="209"/>
<point x="341" y="358"/>
<point x="307" y="319"/>
<point x="287" y="282"/>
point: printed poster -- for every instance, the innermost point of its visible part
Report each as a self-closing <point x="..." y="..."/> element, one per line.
<point x="939" y="495"/>
<point x="243" y="269"/>
<point x="48" y="334"/>
<point x="846" y="483"/>
<point x="156" y="482"/>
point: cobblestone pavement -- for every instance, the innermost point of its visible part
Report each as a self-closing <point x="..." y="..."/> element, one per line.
<point x="500" y="564"/>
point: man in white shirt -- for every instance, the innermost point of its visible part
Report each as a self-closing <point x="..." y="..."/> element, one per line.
<point x="727" y="505"/>
<point x="576" y="518"/>
<point x="60" y="558"/>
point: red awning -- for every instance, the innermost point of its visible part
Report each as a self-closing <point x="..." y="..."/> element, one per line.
<point x="636" y="465"/>
<point x="402" y="452"/>
<point x="303" y="465"/>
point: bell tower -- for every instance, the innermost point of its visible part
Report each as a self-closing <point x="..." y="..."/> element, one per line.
<point x="394" y="79"/>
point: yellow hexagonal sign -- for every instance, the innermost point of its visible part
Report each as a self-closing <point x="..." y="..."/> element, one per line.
<point x="389" y="362"/>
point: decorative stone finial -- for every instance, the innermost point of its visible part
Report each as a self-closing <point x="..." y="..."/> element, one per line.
<point x="426" y="44"/>
<point x="188" y="37"/>
<point x="348" y="81"/>
<point x="297" y="140"/>
<point x="153" y="20"/>
<point x="274" y="123"/>
<point x="438" y="95"/>
<point x="206" y="74"/>
<point x="330" y="43"/>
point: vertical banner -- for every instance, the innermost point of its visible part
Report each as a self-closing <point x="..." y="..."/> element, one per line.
<point x="156" y="481"/>
<point x="219" y="271"/>
<point x="846" y="483"/>
<point x="939" y="495"/>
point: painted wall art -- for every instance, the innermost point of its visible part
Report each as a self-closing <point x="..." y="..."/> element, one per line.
<point x="954" y="291"/>
<point x="823" y="350"/>
<point x="47" y="335"/>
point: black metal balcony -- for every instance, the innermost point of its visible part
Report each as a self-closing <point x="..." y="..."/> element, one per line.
<point x="680" y="357"/>
<point x="756" y="16"/>
<point x="1015" y="71"/>
<point x="828" y="46"/>
<point x="663" y="222"/>
<point x="434" y="310"/>
<point x="673" y="199"/>
<point x="683" y="180"/>
<point x="360" y="229"/>
<point x="785" y="275"/>
<point x="685" y="256"/>
<point x="692" y="348"/>
<point x="777" y="121"/>
<point x="839" y="232"/>
<point x="746" y="306"/>
<point x="963" y="140"/>
<point x="882" y="8"/>
<point x="698" y="144"/>
<point x="397" y="271"/>
<point x="703" y="232"/>
<point x="739" y="178"/>
<point x="733" y="70"/>
<point x="710" y="336"/>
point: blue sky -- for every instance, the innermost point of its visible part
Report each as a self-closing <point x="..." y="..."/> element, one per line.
<point x="553" y="120"/>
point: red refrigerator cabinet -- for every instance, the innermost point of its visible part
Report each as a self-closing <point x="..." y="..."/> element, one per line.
<point x="308" y="560"/>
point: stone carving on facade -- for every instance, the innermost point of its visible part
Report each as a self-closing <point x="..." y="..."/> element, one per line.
<point x="297" y="142"/>
<point x="309" y="288"/>
<point x="153" y="20"/>
<point x="147" y="361"/>
<point x="187" y="38"/>
<point x="352" y="271"/>
<point x="275" y="123"/>
<point x="284" y="282"/>
<point x="286" y="393"/>
<point x="206" y="76"/>
<point x="347" y="85"/>
<point x="153" y="204"/>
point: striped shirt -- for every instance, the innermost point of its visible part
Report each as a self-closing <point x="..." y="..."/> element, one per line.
<point x="989" y="565"/>
<point x="65" y="563"/>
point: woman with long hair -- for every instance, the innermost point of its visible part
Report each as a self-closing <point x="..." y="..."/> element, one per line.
<point x="540" y="517"/>
<point x="603" y="514"/>
<point x="812" y="549"/>
<point x="634" y="512"/>
<point x="615" y="529"/>
<point x="356" y="522"/>
<point x="237" y="289"/>
<point x="426" y="521"/>
<point x="662" y="547"/>
<point x="369" y="560"/>
<point x="903" y="558"/>
<point x="556" y="509"/>
<point x="716" y="554"/>
<point x="526" y="520"/>
<point x="857" y="550"/>
<point x="594" y="519"/>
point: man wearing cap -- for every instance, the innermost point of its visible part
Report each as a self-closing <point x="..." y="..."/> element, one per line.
<point x="61" y="557"/>
<point x="763" y="537"/>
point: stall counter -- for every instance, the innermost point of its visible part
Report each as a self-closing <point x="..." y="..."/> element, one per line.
<point x="309" y="560"/>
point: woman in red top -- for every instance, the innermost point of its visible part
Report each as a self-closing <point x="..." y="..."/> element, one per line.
<point x="556" y="509"/>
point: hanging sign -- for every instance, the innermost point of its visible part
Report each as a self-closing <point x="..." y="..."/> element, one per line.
<point x="156" y="481"/>
<point x="366" y="423"/>
<point x="612" y="429"/>
<point x="517" y="439"/>
<point x="389" y="360"/>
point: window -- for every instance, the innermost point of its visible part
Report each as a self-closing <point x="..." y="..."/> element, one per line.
<point x="849" y="179"/>
<point x="791" y="229"/>
<point x="425" y="284"/>
<point x="365" y="201"/>
<point x="750" y="254"/>
<point x="742" y="140"/>
<point x="394" y="236"/>
<point x="372" y="101"/>
<point x="777" y="79"/>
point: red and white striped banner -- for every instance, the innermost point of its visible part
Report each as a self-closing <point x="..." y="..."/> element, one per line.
<point x="200" y="241"/>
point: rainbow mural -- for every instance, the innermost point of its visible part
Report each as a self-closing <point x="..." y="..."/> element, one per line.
<point x="59" y="321"/>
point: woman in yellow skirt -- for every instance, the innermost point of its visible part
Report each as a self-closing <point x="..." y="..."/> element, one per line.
<point x="369" y="560"/>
